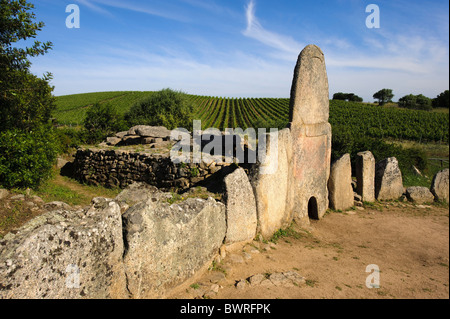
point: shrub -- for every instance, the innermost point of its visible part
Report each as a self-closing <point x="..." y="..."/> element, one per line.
<point x="101" y="121"/>
<point x="168" y="108"/>
<point x="26" y="158"/>
<point x="418" y="102"/>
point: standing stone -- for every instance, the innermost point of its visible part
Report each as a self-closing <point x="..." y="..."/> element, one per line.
<point x="311" y="136"/>
<point x="241" y="208"/>
<point x="365" y="176"/>
<point x="168" y="244"/>
<point x="388" y="180"/>
<point x="340" y="184"/>
<point x="271" y="184"/>
<point x="419" y="195"/>
<point x="440" y="185"/>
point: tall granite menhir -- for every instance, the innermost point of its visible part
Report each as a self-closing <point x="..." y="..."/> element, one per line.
<point x="295" y="188"/>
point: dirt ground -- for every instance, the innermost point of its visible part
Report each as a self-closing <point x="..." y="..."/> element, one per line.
<point x="408" y="243"/>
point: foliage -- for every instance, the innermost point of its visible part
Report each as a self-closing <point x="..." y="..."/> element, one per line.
<point x="418" y="102"/>
<point x="384" y="96"/>
<point x="442" y="100"/>
<point x="168" y="108"/>
<point x="351" y="97"/>
<point x="26" y="158"/>
<point x="26" y="101"/>
<point x="101" y="121"/>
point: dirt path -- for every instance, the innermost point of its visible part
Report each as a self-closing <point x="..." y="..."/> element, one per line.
<point x="410" y="245"/>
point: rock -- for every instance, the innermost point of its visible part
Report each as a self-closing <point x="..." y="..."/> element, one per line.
<point x="419" y="195"/>
<point x="131" y="140"/>
<point x="19" y="197"/>
<point x="167" y="244"/>
<point x="280" y="280"/>
<point x="241" y="284"/>
<point x="113" y="141"/>
<point x="256" y="279"/>
<point x="440" y="185"/>
<point x="271" y="185"/>
<point x="56" y="205"/>
<point x="150" y="131"/>
<point x="3" y="193"/>
<point x="340" y="184"/>
<point x="65" y="255"/>
<point x="295" y="277"/>
<point x="365" y="176"/>
<point x="241" y="208"/>
<point x="388" y="180"/>
<point x="139" y="192"/>
<point x="121" y="134"/>
<point x="311" y="137"/>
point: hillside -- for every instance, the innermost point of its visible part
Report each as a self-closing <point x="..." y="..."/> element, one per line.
<point x="354" y="118"/>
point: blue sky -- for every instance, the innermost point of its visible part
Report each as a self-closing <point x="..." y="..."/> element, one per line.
<point x="244" y="48"/>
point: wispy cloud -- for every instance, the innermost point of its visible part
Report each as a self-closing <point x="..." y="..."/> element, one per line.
<point x="255" y="30"/>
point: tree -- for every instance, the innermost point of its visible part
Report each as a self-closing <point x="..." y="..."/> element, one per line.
<point x="27" y="148"/>
<point x="352" y="97"/>
<point x="418" y="102"/>
<point x="101" y="121"/>
<point x="384" y="96"/>
<point x="167" y="107"/>
<point x="442" y="100"/>
<point x="25" y="100"/>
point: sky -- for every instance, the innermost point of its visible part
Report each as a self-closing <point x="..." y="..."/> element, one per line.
<point x="244" y="48"/>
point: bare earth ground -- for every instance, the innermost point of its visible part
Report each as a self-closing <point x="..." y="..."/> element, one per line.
<point x="410" y="245"/>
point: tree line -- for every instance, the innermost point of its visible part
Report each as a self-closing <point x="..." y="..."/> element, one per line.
<point x="410" y="101"/>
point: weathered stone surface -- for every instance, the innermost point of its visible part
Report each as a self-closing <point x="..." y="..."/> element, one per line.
<point x="419" y="195"/>
<point x="365" y="176"/>
<point x="167" y="244"/>
<point x="310" y="92"/>
<point x="388" y="180"/>
<point x="311" y="136"/>
<point x="66" y="255"/>
<point x="270" y="181"/>
<point x="241" y="208"/>
<point x="139" y="192"/>
<point x="340" y="184"/>
<point x="113" y="140"/>
<point x="150" y="131"/>
<point x="440" y="185"/>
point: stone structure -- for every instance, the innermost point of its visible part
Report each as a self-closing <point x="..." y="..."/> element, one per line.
<point x="292" y="182"/>
<point x="440" y="185"/>
<point x="340" y="184"/>
<point x="241" y="208"/>
<point x="365" y="176"/>
<point x="311" y="135"/>
<point x="120" y="168"/>
<point x="388" y="180"/>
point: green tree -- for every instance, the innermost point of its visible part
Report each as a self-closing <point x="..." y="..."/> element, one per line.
<point x="351" y="97"/>
<point x="384" y="96"/>
<point x="418" y="102"/>
<point x="25" y="100"/>
<point x="27" y="141"/>
<point x="442" y="100"/>
<point x="167" y="107"/>
<point x="102" y="120"/>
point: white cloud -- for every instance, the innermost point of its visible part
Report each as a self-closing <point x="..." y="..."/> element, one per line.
<point x="286" y="44"/>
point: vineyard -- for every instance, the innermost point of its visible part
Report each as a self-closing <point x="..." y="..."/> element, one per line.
<point x="352" y="118"/>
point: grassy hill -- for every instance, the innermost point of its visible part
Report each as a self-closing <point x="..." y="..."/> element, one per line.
<point x="354" y="118"/>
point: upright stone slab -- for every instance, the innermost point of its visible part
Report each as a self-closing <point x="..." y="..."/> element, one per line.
<point x="365" y="176"/>
<point x="340" y="184"/>
<point x="311" y="136"/>
<point x="271" y="184"/>
<point x="440" y="185"/>
<point x="241" y="208"/>
<point x="388" y="180"/>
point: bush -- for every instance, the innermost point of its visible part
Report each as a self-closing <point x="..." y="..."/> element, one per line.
<point x="418" y="102"/>
<point x="102" y="120"/>
<point x="168" y="108"/>
<point x="26" y="158"/>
